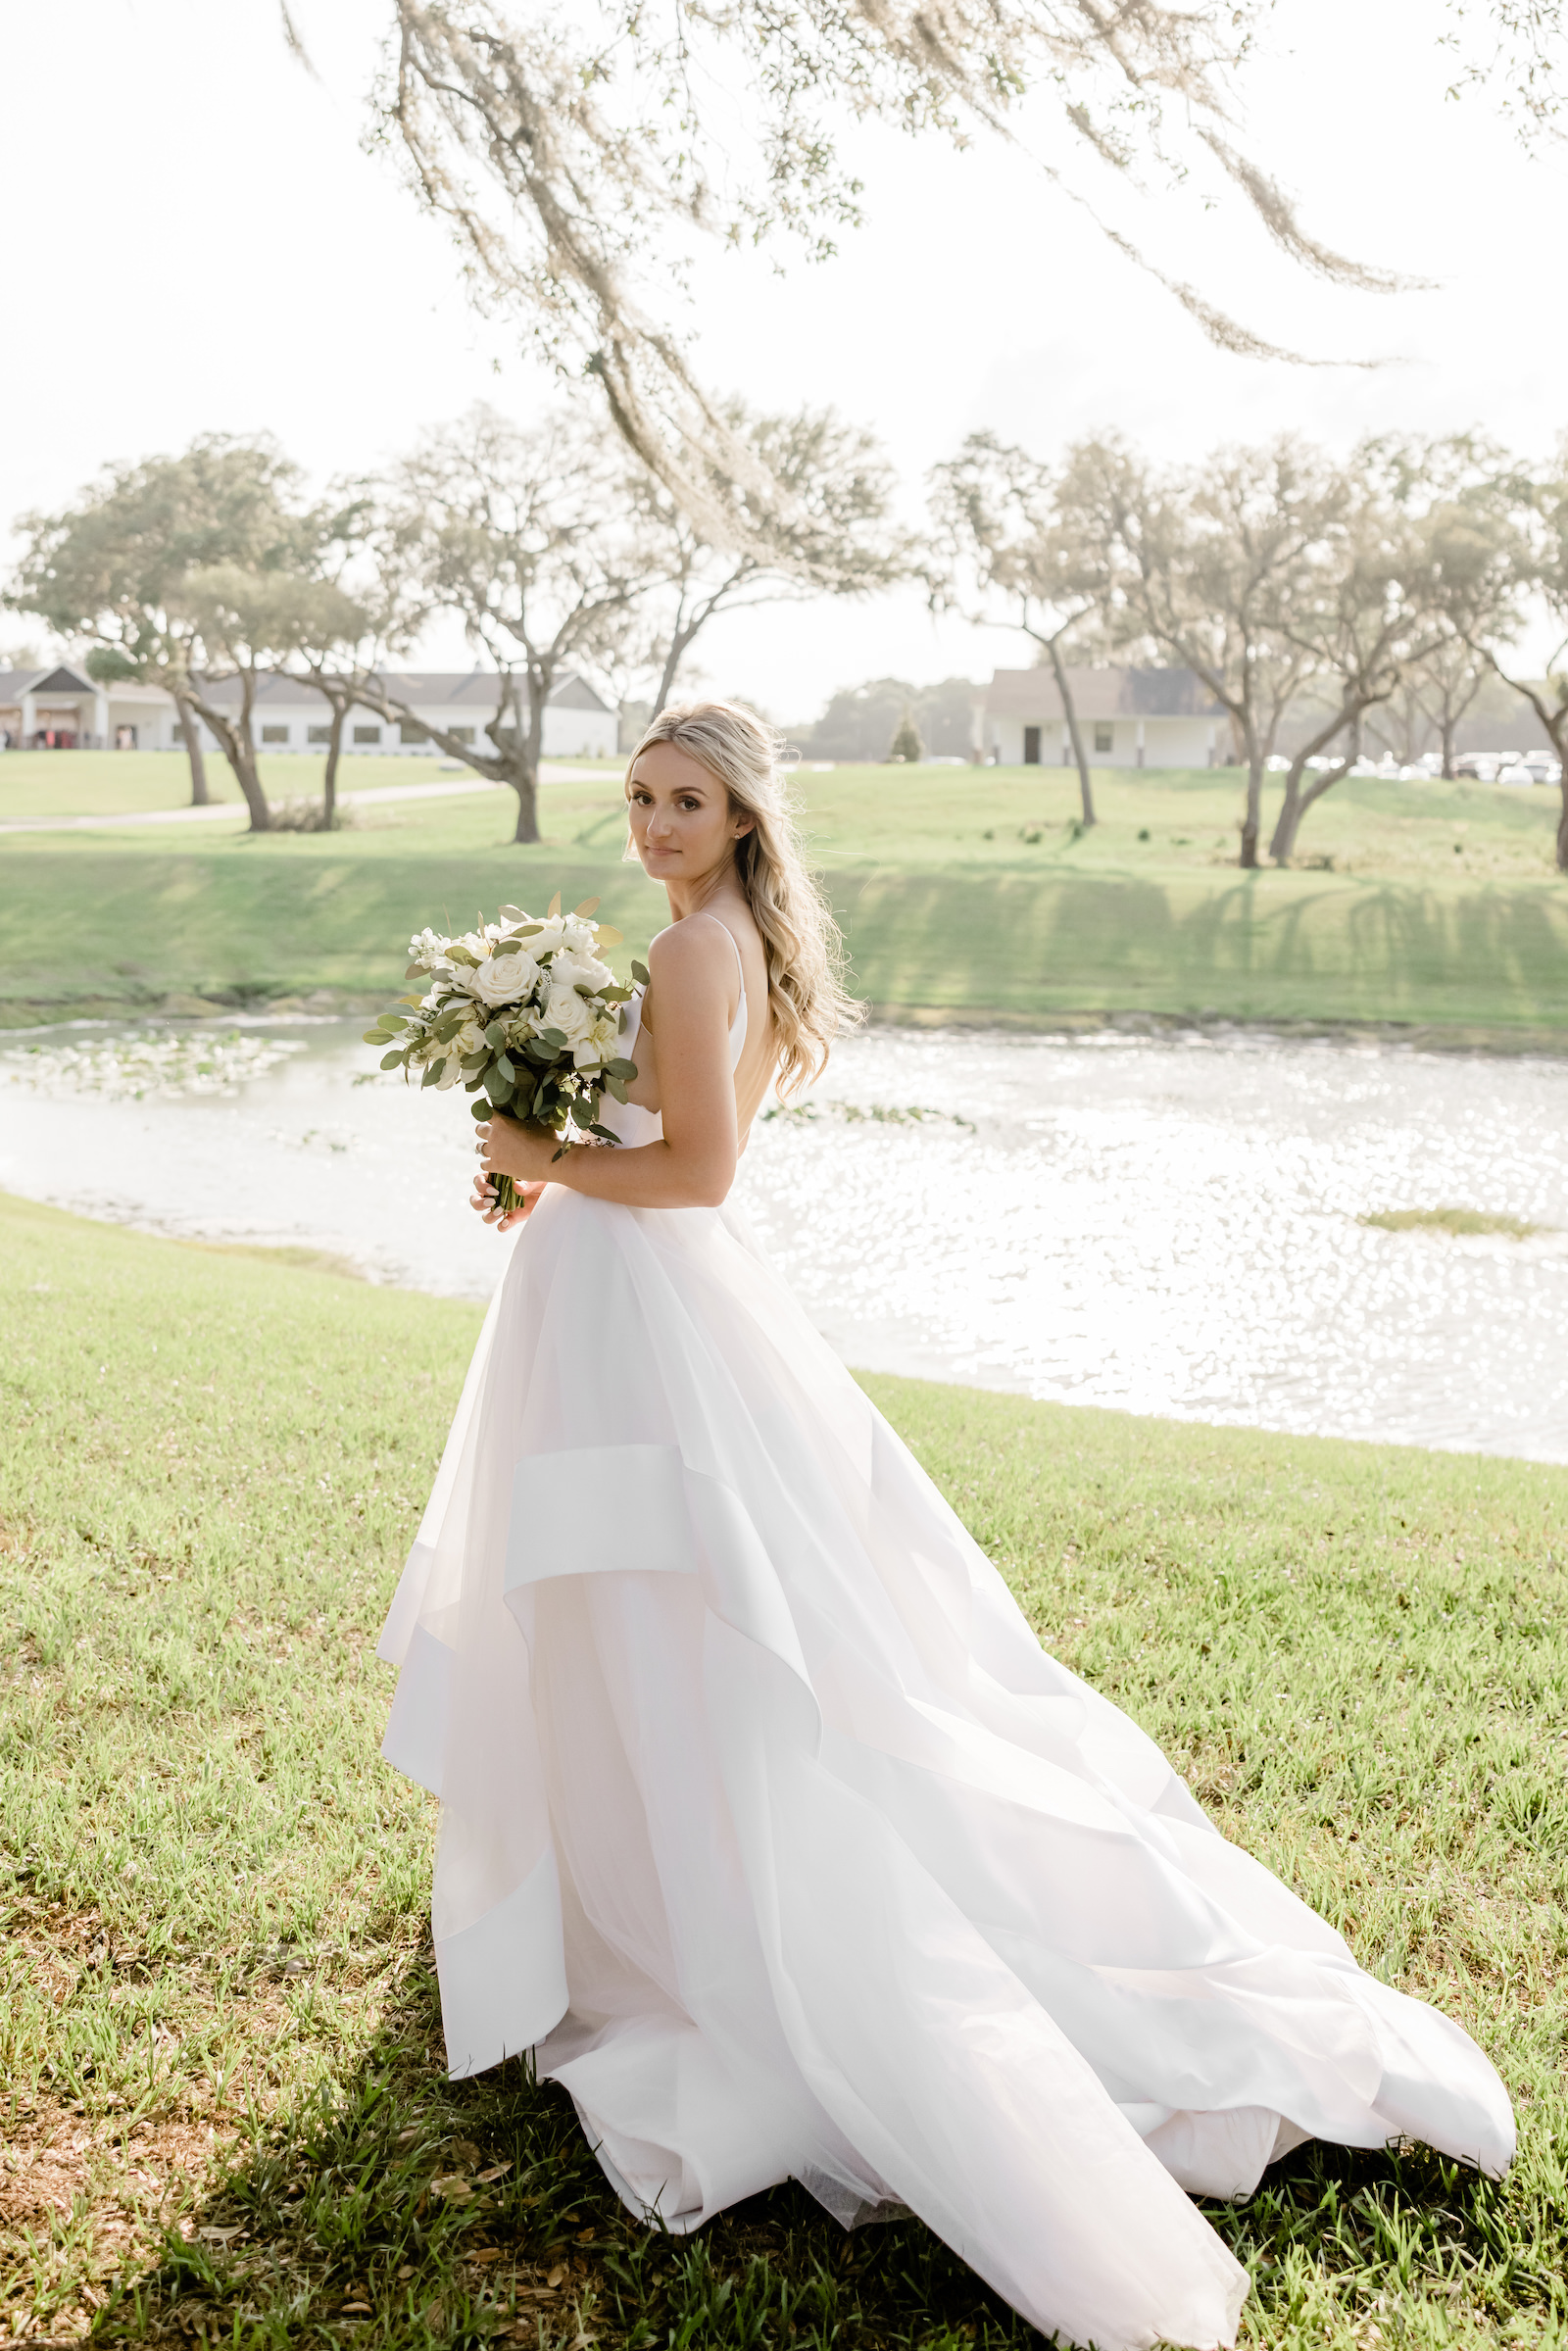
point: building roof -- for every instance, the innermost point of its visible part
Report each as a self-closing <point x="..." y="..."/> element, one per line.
<point x="429" y="689"/>
<point x="56" y="680"/>
<point x="1103" y="693"/>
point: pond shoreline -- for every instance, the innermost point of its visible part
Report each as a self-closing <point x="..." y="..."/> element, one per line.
<point x="1470" y="1039"/>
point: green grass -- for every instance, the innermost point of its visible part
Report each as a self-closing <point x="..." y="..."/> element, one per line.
<point x="962" y="892"/>
<point x="219" y="2014"/>
<point x="40" y="784"/>
<point x="1466" y="1222"/>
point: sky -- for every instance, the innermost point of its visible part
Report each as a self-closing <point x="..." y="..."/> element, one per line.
<point x="200" y="242"/>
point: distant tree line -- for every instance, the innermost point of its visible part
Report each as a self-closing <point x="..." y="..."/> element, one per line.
<point x="1369" y="590"/>
<point x="1282" y="577"/>
<point x="555" y="547"/>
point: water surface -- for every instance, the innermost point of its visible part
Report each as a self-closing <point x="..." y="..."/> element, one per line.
<point x="1164" y="1225"/>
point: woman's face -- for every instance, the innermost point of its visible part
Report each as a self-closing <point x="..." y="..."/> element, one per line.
<point x="682" y="825"/>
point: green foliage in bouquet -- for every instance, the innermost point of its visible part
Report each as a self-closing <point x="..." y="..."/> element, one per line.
<point x="522" y="1014"/>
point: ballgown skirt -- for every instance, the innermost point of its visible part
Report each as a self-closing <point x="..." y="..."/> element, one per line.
<point x="769" y="1827"/>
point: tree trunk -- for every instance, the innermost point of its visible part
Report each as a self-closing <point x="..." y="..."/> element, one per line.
<point x="1085" y="788"/>
<point x="526" y="748"/>
<point x="1448" y="730"/>
<point x="1282" y="844"/>
<point x="200" y="797"/>
<point x="1293" y="806"/>
<point x="334" y="744"/>
<point x="672" y="660"/>
<point x="240" y="753"/>
<point x="1252" y="820"/>
<point x="1560" y="747"/>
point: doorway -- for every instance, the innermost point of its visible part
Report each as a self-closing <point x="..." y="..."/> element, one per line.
<point x="1031" y="745"/>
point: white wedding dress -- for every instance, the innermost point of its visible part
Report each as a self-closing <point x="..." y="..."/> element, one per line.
<point x="768" y="1824"/>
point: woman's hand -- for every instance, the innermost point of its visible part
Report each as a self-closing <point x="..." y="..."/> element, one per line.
<point x="483" y="1201"/>
<point x="506" y="1148"/>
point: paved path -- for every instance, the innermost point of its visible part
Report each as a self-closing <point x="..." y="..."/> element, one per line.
<point x="550" y="772"/>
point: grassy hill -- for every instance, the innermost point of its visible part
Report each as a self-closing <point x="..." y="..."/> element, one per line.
<point x="962" y="892"/>
<point x="225" y="2107"/>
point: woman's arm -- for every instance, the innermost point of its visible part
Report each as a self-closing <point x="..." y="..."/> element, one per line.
<point x="691" y="969"/>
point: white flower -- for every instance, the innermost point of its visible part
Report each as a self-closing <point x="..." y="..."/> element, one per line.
<point x="565" y="1010"/>
<point x="580" y="970"/>
<point x="428" y="948"/>
<point x="504" y="979"/>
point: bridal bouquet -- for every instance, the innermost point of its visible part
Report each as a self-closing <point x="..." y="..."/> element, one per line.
<point x="522" y="1014"/>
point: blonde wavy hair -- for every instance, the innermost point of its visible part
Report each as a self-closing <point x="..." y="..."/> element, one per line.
<point x="806" y="992"/>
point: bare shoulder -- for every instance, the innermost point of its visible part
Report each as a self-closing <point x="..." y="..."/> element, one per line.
<point x="698" y="952"/>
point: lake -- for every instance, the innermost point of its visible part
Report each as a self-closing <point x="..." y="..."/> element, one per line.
<point x="1161" y="1225"/>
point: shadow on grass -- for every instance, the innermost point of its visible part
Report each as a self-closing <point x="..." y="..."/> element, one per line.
<point x="402" y="2209"/>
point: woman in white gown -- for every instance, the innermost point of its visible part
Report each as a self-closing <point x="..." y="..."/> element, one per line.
<point x="766" y="1823"/>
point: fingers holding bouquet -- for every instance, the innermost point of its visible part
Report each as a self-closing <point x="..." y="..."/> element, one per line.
<point x="485" y="1199"/>
<point x="524" y="1014"/>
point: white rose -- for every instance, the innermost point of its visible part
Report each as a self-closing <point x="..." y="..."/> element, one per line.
<point x="504" y="979"/>
<point x="580" y="971"/>
<point x="551" y="935"/>
<point x="565" y="1010"/>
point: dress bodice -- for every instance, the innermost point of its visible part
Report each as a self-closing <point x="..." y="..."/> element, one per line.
<point x="629" y="1121"/>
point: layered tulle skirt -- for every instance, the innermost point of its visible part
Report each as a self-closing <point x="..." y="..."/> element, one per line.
<point x="768" y="1824"/>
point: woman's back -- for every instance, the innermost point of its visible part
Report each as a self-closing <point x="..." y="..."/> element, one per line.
<point x="752" y="1045"/>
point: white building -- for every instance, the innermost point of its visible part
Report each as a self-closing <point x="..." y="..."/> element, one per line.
<point x="61" y="709"/>
<point x="1126" y="718"/>
<point x="289" y="716"/>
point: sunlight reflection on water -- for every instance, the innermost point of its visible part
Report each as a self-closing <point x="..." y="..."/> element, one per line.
<point x="1158" y="1225"/>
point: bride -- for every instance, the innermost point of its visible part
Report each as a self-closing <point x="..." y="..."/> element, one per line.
<point x="766" y="1823"/>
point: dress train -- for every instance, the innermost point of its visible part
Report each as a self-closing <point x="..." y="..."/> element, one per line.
<point x="769" y="1827"/>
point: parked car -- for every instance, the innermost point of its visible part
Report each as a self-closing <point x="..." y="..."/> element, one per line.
<point x="1543" y="768"/>
<point x="1514" y="771"/>
<point x="1479" y="766"/>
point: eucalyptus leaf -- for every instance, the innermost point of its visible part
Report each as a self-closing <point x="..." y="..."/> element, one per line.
<point x="388" y="1061"/>
<point x="432" y="1075"/>
<point x="554" y="907"/>
<point x="505" y="1070"/>
<point x="590" y="906"/>
<point x="639" y="972"/>
<point x="609" y="936"/>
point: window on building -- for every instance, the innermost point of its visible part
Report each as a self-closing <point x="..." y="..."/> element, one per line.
<point x="411" y="731"/>
<point x="1104" y="738"/>
<point x="367" y="734"/>
<point x="319" y="734"/>
<point x="275" y="734"/>
<point x="461" y="734"/>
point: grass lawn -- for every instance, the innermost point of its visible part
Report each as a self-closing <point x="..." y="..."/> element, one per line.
<point x="963" y="891"/>
<point x="224" y="2114"/>
<point x="39" y="784"/>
